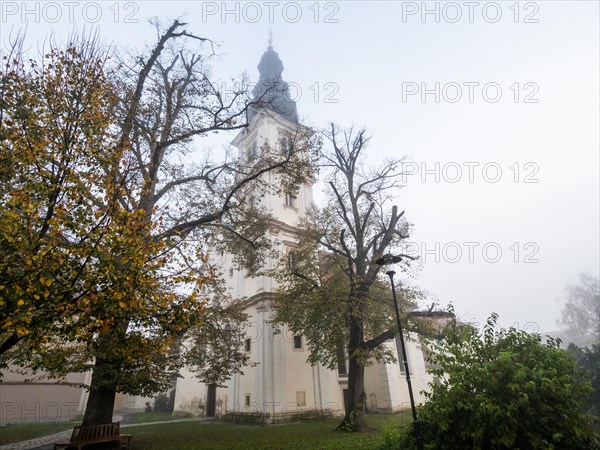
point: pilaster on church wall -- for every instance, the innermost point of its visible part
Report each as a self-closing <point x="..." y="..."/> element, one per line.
<point x="385" y="385"/>
<point x="420" y="375"/>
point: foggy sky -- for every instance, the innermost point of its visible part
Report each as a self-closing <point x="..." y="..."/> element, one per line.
<point x="496" y="107"/>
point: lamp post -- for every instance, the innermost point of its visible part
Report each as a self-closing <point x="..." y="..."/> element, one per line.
<point x="388" y="261"/>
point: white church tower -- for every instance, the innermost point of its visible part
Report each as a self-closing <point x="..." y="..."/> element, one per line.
<point x="281" y="383"/>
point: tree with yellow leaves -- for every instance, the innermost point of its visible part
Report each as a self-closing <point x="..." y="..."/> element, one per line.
<point x="54" y="144"/>
<point x="83" y="279"/>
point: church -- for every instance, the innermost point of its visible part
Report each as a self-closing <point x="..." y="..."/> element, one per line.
<point x="281" y="384"/>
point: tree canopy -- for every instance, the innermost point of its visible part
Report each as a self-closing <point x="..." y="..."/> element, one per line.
<point x="581" y="313"/>
<point x="77" y="262"/>
<point x="57" y="196"/>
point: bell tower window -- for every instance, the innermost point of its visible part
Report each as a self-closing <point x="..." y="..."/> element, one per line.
<point x="252" y="151"/>
<point x="290" y="200"/>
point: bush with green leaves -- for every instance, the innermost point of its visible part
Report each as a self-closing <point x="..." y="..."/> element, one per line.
<point x="161" y="404"/>
<point x="588" y="360"/>
<point x="503" y="389"/>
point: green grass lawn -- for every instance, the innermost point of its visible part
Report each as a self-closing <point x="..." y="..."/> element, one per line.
<point x="217" y="435"/>
<point x="22" y="432"/>
<point x="153" y="417"/>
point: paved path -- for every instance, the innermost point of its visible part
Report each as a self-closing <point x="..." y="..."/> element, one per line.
<point x="47" y="442"/>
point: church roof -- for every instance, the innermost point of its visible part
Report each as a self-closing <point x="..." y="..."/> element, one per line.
<point x="271" y="91"/>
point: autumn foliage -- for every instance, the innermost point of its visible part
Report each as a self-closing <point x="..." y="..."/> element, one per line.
<point x="76" y="263"/>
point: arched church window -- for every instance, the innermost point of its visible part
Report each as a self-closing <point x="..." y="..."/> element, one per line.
<point x="401" y="357"/>
<point x="290" y="200"/>
<point x="373" y="401"/>
<point x="300" y="398"/>
<point x="341" y="360"/>
<point x="292" y="260"/>
<point x="252" y="151"/>
<point x="297" y="342"/>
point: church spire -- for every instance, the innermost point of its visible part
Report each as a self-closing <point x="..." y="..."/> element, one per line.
<point x="271" y="91"/>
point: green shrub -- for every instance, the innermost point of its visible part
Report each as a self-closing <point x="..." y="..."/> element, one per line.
<point x="161" y="404"/>
<point x="394" y="437"/>
<point x="588" y="360"/>
<point x="505" y="389"/>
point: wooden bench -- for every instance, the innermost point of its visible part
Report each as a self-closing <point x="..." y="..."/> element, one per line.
<point x="95" y="434"/>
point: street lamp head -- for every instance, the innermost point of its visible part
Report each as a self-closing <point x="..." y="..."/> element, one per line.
<point x="388" y="261"/>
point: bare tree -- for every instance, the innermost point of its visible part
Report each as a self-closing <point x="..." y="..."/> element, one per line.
<point x="581" y="314"/>
<point x="342" y="304"/>
<point x="168" y="102"/>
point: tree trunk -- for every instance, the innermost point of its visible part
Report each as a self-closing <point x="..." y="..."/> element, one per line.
<point x="13" y="340"/>
<point x="101" y="401"/>
<point x="103" y="389"/>
<point x="354" y="418"/>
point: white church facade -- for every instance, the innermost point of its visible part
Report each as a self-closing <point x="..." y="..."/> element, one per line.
<point x="281" y="383"/>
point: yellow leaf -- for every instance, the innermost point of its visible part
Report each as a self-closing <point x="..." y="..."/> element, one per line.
<point x="22" y="331"/>
<point x="122" y="304"/>
<point x="20" y="302"/>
